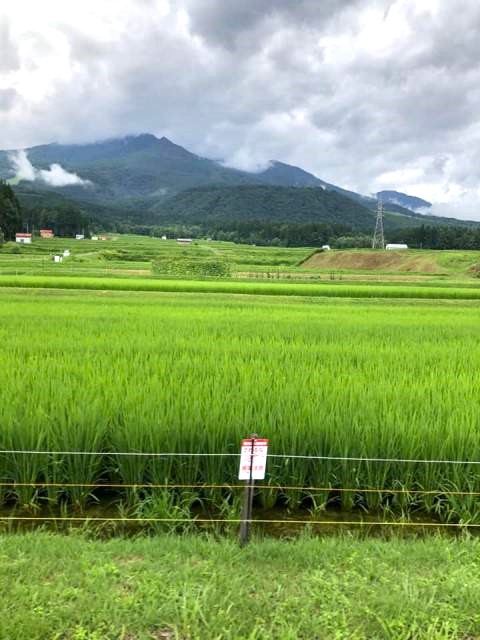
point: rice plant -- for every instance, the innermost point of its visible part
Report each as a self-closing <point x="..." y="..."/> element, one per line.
<point x="111" y="372"/>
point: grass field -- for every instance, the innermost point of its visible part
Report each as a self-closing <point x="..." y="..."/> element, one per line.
<point x="102" y="354"/>
<point x="126" y="371"/>
<point x="191" y="587"/>
<point x="132" y="257"/>
<point x="448" y="264"/>
<point x="429" y="291"/>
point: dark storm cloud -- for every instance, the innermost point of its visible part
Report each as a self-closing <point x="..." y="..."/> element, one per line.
<point x="365" y="93"/>
<point x="225" y="22"/>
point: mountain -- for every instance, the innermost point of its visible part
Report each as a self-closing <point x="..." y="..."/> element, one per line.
<point x="217" y="204"/>
<point x="287" y="175"/>
<point x="128" y="170"/>
<point x="143" y="179"/>
<point x="264" y="202"/>
<point x="404" y="200"/>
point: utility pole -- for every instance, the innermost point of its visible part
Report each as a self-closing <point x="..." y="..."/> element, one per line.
<point x="378" y="237"/>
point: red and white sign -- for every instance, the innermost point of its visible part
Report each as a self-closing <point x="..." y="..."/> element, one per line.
<point x="254" y="457"/>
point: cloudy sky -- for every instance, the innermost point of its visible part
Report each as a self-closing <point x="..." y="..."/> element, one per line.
<point x="368" y="94"/>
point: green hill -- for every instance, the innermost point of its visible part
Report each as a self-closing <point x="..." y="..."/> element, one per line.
<point x="135" y="170"/>
<point x="282" y="204"/>
<point x="264" y="202"/>
<point x="142" y="179"/>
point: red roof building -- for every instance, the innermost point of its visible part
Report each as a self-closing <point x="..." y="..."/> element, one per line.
<point x="23" y="238"/>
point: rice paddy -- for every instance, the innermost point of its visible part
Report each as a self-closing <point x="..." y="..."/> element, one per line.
<point x="446" y="291"/>
<point x="112" y="372"/>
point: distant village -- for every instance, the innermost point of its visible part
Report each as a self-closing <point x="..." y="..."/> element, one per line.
<point x="27" y="238"/>
<point x="48" y="234"/>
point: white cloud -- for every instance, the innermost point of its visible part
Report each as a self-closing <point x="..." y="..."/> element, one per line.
<point x="55" y="176"/>
<point x="22" y="165"/>
<point x="363" y="93"/>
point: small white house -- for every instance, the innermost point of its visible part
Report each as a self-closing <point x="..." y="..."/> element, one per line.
<point x="23" y="238"/>
<point x="326" y="247"/>
<point x="164" y="237"/>
<point x="79" y="236"/>
<point x="66" y="253"/>
<point x="57" y="258"/>
<point x="396" y="247"/>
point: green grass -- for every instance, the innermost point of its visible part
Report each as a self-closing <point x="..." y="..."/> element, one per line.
<point x="191" y="587"/>
<point x="124" y="255"/>
<point x="121" y="371"/>
<point x="97" y="257"/>
<point x="336" y="290"/>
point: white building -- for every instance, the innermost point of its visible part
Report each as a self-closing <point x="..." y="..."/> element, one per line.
<point x="79" y="236"/>
<point x="57" y="258"/>
<point x="23" y="238"/>
<point x="66" y="253"/>
<point x="184" y="240"/>
<point x="164" y="237"/>
<point x="326" y="247"/>
<point x="396" y="247"/>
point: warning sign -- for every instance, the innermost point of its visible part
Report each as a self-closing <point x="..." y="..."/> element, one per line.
<point x="253" y="459"/>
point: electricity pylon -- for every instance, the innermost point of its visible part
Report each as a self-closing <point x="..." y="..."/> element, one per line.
<point x="378" y="237"/>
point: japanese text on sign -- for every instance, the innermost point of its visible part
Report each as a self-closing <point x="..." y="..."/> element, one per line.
<point x="253" y="459"/>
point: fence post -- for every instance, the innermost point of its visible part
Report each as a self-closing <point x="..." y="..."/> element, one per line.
<point x="248" y="498"/>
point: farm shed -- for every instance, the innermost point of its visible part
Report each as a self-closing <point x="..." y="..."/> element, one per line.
<point x="396" y="247"/>
<point x="23" y="238"/>
<point x="184" y="240"/>
<point x="46" y="233"/>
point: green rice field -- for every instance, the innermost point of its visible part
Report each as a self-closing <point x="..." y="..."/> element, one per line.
<point x="444" y="291"/>
<point x="132" y="371"/>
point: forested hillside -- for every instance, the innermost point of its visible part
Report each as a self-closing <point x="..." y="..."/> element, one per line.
<point x="10" y="212"/>
<point x="263" y="202"/>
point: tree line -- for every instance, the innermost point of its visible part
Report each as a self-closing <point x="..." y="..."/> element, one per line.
<point x="67" y="219"/>
<point x="64" y="219"/>
<point x="267" y="233"/>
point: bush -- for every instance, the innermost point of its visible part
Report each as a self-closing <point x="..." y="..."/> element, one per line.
<point x="121" y="254"/>
<point x="187" y="266"/>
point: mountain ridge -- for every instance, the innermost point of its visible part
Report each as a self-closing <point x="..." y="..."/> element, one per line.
<point x="404" y="200"/>
<point x="143" y="175"/>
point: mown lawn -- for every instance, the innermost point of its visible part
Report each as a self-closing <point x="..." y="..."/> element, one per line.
<point x="69" y="587"/>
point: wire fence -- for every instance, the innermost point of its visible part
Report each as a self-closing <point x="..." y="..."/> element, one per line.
<point x="12" y="485"/>
<point x="200" y="485"/>
<point x="230" y="521"/>
<point x="168" y="454"/>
